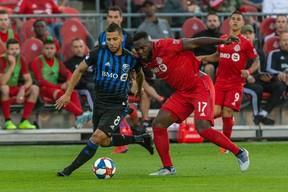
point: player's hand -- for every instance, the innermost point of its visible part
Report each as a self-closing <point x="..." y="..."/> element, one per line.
<point x="266" y="77"/>
<point x="20" y="98"/>
<point x="139" y="93"/>
<point x="250" y="79"/>
<point x="11" y="60"/>
<point x="282" y="76"/>
<point x="230" y="39"/>
<point x="62" y="101"/>
<point x="244" y="73"/>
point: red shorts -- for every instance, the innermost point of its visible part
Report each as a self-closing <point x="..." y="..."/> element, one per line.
<point x="231" y="98"/>
<point x="13" y="91"/>
<point x="199" y="98"/>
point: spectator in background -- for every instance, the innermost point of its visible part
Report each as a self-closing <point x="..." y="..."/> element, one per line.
<point x="274" y="6"/>
<point x="46" y="7"/>
<point x="40" y="30"/>
<point x="48" y="70"/>
<point x="254" y="3"/>
<point x="224" y="6"/>
<point x="12" y="68"/>
<point x="213" y="30"/>
<point x="277" y="62"/>
<point x="281" y="26"/>
<point x="86" y="82"/>
<point x="6" y="32"/>
<point x="176" y="6"/>
<point x="155" y="27"/>
<point x="257" y="83"/>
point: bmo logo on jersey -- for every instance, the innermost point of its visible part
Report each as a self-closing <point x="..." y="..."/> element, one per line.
<point x="123" y="77"/>
<point x="235" y="56"/>
<point x="161" y="67"/>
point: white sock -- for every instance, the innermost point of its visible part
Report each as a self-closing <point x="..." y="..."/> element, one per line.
<point x="263" y="113"/>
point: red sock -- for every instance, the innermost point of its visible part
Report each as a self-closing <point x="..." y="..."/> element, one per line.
<point x="219" y="139"/>
<point x="6" y="108"/>
<point x="162" y="144"/>
<point x="28" y="107"/>
<point x="228" y="123"/>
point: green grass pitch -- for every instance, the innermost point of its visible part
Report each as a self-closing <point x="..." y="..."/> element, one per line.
<point x="199" y="168"/>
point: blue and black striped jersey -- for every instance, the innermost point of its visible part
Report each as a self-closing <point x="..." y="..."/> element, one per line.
<point x="111" y="75"/>
<point x="127" y="43"/>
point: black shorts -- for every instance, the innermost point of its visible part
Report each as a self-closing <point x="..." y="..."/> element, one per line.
<point x="108" y="120"/>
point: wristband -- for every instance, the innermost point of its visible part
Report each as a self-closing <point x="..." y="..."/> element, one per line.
<point x="249" y="71"/>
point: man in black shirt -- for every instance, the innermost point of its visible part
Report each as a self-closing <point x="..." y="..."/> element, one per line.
<point x="86" y="82"/>
<point x="213" y="26"/>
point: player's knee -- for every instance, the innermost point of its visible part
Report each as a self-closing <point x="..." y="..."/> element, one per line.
<point x="202" y="125"/>
<point x="99" y="139"/>
<point x="4" y="89"/>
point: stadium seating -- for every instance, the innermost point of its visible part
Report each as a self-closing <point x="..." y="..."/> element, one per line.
<point x="267" y="26"/>
<point x="192" y="26"/>
<point x="31" y="48"/>
<point x="225" y="28"/>
<point x="27" y="30"/>
<point x="73" y="28"/>
<point x="69" y="10"/>
<point x="11" y="4"/>
<point x="271" y="44"/>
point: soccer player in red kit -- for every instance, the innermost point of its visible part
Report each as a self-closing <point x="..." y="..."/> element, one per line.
<point x="232" y="73"/>
<point x="12" y="68"/>
<point x="5" y="32"/>
<point x="173" y="61"/>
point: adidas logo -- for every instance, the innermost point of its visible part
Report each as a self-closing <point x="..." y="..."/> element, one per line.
<point x="107" y="64"/>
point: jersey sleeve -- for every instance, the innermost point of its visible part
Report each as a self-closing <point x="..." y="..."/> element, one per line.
<point x="171" y="46"/>
<point x="24" y="66"/>
<point x="92" y="56"/>
<point x="251" y="51"/>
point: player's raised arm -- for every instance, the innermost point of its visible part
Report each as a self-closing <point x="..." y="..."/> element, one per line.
<point x="191" y="43"/>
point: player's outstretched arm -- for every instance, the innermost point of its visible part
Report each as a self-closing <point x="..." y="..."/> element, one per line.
<point x="191" y="43"/>
<point x="65" y="99"/>
<point x="209" y="58"/>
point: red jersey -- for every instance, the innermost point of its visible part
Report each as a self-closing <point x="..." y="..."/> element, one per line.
<point x="178" y="68"/>
<point x="9" y="35"/>
<point x="233" y="59"/>
<point x="37" y="65"/>
<point x="37" y="7"/>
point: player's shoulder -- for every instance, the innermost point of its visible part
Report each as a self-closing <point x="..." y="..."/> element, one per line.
<point x="166" y="42"/>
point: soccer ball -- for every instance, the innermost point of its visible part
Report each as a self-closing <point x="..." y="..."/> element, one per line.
<point x="104" y="168"/>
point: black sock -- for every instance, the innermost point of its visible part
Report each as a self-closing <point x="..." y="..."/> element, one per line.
<point x="85" y="155"/>
<point x="120" y="139"/>
<point x="240" y="151"/>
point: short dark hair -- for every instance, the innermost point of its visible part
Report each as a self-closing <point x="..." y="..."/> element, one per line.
<point x="147" y="2"/>
<point x="3" y="12"/>
<point x="281" y="15"/>
<point x="11" y="41"/>
<point x="48" y="42"/>
<point x="238" y="13"/>
<point x="115" y="8"/>
<point x="140" y="35"/>
<point x="113" y="27"/>
<point x="38" y="21"/>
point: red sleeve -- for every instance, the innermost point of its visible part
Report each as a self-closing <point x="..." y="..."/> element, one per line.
<point x="2" y="65"/>
<point x="55" y="8"/>
<point x="36" y="67"/>
<point x="21" y="7"/>
<point x="170" y="46"/>
<point x="64" y="72"/>
<point x="24" y="66"/>
<point x="251" y="51"/>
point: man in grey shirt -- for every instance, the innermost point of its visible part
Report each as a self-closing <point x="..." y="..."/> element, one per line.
<point x="156" y="28"/>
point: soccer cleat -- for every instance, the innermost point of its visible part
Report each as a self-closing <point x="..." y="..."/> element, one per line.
<point x="64" y="173"/>
<point x="164" y="171"/>
<point x="148" y="143"/>
<point x="26" y="125"/>
<point x="146" y="123"/>
<point x="243" y="159"/>
<point x="267" y="121"/>
<point x="84" y="118"/>
<point x="223" y="151"/>
<point x="120" y="149"/>
<point x="9" y="125"/>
